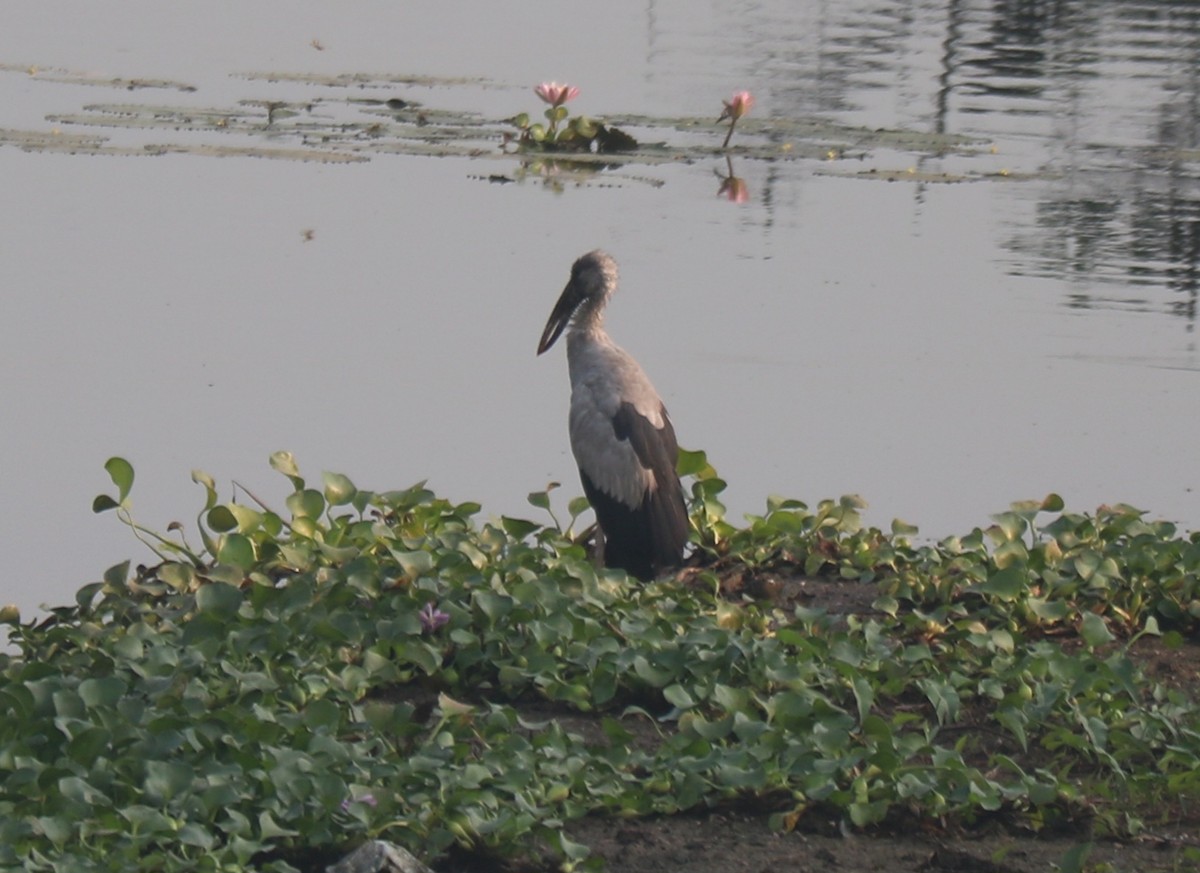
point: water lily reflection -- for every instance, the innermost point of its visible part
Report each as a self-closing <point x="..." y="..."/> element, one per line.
<point x="733" y="188"/>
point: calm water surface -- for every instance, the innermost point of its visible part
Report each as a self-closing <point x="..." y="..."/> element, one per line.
<point x="939" y="348"/>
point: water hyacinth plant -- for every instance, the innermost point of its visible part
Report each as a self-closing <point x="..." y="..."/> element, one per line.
<point x="735" y="107"/>
<point x="274" y="697"/>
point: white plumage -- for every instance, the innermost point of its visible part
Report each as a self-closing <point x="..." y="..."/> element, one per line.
<point x="621" y="435"/>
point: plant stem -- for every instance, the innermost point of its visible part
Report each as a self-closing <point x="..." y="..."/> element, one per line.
<point x="732" y="125"/>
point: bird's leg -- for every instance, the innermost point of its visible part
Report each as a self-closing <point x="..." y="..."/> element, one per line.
<point x="598" y="553"/>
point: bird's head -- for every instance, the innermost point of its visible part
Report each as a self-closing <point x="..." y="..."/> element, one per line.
<point x="593" y="280"/>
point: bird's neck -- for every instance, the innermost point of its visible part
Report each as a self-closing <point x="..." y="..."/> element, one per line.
<point x="588" y="318"/>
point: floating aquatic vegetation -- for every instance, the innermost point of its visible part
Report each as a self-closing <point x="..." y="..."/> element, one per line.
<point x="72" y="77"/>
<point x="579" y="134"/>
<point x="337" y="121"/>
<point x="289" y="683"/>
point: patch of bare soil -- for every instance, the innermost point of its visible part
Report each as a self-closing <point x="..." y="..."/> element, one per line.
<point x="725" y="842"/>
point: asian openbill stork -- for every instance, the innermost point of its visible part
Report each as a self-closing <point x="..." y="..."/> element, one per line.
<point x="621" y="436"/>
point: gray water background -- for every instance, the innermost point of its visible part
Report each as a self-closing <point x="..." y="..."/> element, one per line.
<point x="940" y="348"/>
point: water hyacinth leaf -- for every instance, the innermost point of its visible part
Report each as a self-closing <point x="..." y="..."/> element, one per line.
<point x="167" y="779"/>
<point x="210" y="487"/>
<point x="339" y="490"/>
<point x="307" y="503"/>
<point x="57" y="829"/>
<point x="234" y="517"/>
<point x="115" y="577"/>
<point x="1007" y="584"/>
<point x="864" y="697"/>
<point x="1008" y="526"/>
<point x="541" y="499"/>
<point x="285" y="463"/>
<point x="678" y="696"/>
<point x="518" y="528"/>
<point x="1052" y="503"/>
<point x="414" y="564"/>
<point x="694" y="464"/>
<point x="121" y="473"/>
<point x="101" y="692"/>
<point x="1074" y="860"/>
<point x="218" y="598"/>
<point x="323" y="713"/>
<point x="237" y="551"/>
<point x="1094" y="631"/>
<point x="1048" y="610"/>
<point x="80" y="790"/>
<point x="103" y="503"/>
<point x="271" y="829"/>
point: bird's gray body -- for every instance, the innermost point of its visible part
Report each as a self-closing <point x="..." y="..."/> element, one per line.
<point x="621" y="435"/>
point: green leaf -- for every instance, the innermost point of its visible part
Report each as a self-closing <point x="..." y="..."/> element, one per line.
<point x="121" y="473"/>
<point x="541" y="499"/>
<point x="1007" y="584"/>
<point x="167" y="779"/>
<point x="1052" y="503"/>
<point x="57" y="829"/>
<point x="584" y="127"/>
<point x="234" y="517"/>
<point x="678" y="696"/>
<point x="103" y="503"/>
<point x="1073" y="861"/>
<point x="694" y="464"/>
<point x="518" y="528"/>
<point x="210" y="487"/>
<point x="339" y="490"/>
<point x="271" y="829"/>
<point x="308" y="503"/>
<point x="414" y="564"/>
<point x="218" y="598"/>
<point x="1094" y="631"/>
<point x="323" y="713"/>
<point x="236" y="550"/>
<point x="285" y="463"/>
<point x="864" y="697"/>
<point x="103" y="692"/>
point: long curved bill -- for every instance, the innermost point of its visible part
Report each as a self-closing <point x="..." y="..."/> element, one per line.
<point x="559" y="318"/>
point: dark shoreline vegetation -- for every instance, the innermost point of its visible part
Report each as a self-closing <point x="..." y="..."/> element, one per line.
<point x="288" y="689"/>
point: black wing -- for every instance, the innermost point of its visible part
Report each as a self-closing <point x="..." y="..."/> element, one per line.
<point x="650" y="537"/>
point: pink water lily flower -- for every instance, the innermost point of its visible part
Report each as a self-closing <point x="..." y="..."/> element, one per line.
<point x="735" y="108"/>
<point x="741" y="103"/>
<point x="556" y="94"/>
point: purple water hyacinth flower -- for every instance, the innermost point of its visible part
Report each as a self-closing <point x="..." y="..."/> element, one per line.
<point x="368" y="799"/>
<point x="432" y="618"/>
